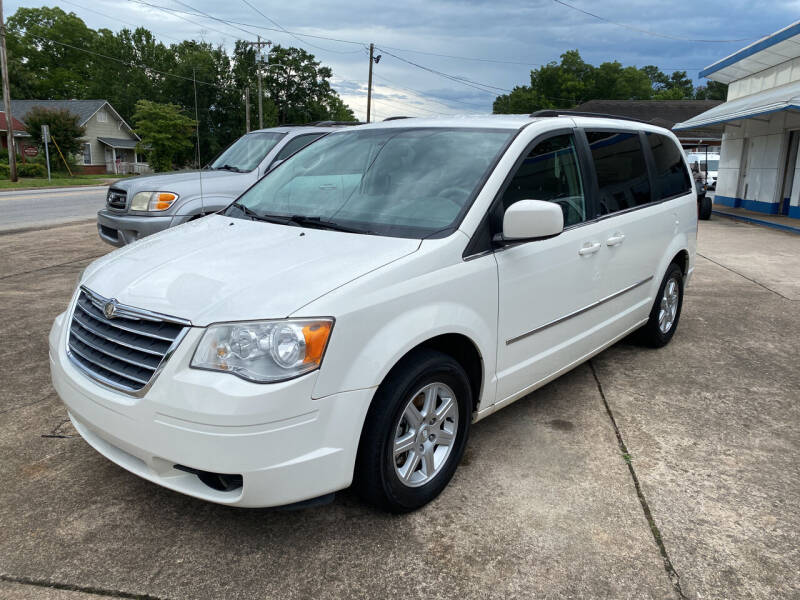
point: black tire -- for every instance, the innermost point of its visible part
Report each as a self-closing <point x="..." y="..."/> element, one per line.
<point x="376" y="479"/>
<point x="704" y="212"/>
<point x="651" y="334"/>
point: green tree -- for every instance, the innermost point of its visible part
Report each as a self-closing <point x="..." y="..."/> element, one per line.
<point x="64" y="127"/>
<point x="165" y="132"/>
<point x="713" y="90"/>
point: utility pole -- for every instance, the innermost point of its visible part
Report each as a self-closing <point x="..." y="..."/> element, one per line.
<point x="12" y="153"/>
<point x="259" y="44"/>
<point x="247" y="110"/>
<point x="376" y="60"/>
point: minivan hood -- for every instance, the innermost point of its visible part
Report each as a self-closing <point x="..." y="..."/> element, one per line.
<point x="184" y="181"/>
<point x="224" y="269"/>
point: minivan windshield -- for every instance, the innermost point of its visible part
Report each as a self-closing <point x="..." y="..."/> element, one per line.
<point x="402" y="182"/>
<point x="247" y="152"/>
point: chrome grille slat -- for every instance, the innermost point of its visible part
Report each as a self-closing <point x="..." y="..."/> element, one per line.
<point x="123" y="351"/>
<point x="96" y="346"/>
<point x="120" y="340"/>
<point x="130" y="326"/>
<point x="86" y="355"/>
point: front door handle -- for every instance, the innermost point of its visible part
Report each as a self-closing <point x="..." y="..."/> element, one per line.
<point x="589" y="248"/>
<point x="616" y="239"/>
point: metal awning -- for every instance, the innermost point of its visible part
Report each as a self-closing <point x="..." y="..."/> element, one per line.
<point x="118" y="143"/>
<point x="785" y="97"/>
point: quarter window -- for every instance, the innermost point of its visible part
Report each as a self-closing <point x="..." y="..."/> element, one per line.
<point x="672" y="178"/>
<point x="550" y="172"/>
<point x="621" y="170"/>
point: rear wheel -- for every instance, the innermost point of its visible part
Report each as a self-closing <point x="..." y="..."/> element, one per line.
<point x="415" y="432"/>
<point x="666" y="312"/>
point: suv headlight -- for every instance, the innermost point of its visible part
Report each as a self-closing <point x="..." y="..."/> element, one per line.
<point x="264" y="351"/>
<point x="153" y="201"/>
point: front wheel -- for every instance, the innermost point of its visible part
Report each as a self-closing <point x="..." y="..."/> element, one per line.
<point x="415" y="432"/>
<point x="666" y="311"/>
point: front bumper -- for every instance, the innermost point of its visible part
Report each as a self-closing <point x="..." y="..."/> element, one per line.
<point x="286" y="445"/>
<point x="119" y="229"/>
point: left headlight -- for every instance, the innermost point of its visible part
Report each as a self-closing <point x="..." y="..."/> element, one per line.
<point x="153" y="201"/>
<point x="264" y="351"/>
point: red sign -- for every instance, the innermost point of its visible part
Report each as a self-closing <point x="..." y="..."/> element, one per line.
<point x="30" y="151"/>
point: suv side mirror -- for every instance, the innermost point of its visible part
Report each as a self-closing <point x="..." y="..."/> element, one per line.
<point x="531" y="220"/>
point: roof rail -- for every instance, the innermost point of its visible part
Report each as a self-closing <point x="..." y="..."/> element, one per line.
<point x="578" y="113"/>
<point x="396" y="118"/>
<point x="332" y="123"/>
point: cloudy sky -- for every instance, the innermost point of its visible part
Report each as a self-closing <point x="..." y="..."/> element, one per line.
<point x="464" y="53"/>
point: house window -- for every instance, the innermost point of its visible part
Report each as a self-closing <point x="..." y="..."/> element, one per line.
<point x="87" y="154"/>
<point x="102" y="117"/>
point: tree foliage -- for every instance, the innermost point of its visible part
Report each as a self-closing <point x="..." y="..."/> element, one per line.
<point x="574" y="81"/>
<point x="64" y="127"/>
<point x="45" y="65"/>
<point x="165" y="132"/>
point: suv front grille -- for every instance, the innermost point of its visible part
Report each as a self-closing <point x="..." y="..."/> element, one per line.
<point x="125" y="350"/>
<point x="117" y="199"/>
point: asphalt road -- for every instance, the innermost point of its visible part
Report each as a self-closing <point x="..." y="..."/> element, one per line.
<point x="34" y="208"/>
<point x="669" y="474"/>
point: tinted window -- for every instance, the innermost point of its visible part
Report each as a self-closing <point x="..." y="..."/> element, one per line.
<point x="294" y="144"/>
<point x="247" y="152"/>
<point x="550" y="172"/>
<point x="671" y="176"/>
<point x="621" y="170"/>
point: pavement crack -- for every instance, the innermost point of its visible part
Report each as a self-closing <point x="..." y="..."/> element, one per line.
<point x="69" y="262"/>
<point x="69" y="587"/>
<point x="735" y="272"/>
<point x="668" y="566"/>
<point x="55" y="433"/>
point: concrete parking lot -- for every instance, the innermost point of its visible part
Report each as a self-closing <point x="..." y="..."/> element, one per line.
<point x="671" y="473"/>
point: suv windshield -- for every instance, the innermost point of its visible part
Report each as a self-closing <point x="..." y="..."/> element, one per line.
<point x="247" y="152"/>
<point x="399" y="182"/>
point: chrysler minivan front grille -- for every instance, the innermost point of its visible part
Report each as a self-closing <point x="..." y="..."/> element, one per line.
<point x="121" y="346"/>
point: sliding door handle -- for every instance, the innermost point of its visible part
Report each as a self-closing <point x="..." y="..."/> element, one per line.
<point x="589" y="248"/>
<point x="616" y="239"/>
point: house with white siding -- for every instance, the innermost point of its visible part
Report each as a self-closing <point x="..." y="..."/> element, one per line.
<point x="760" y="124"/>
<point x="109" y="144"/>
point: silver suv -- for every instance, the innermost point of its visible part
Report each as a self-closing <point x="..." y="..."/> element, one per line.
<point x="138" y="207"/>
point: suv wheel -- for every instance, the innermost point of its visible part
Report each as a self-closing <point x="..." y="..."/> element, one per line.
<point x="666" y="312"/>
<point x="415" y="432"/>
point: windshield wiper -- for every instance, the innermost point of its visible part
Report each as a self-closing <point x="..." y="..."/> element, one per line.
<point x="250" y="212"/>
<point x="227" y="167"/>
<point x="312" y="222"/>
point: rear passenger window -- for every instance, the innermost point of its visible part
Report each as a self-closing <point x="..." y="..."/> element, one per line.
<point x="550" y="172"/>
<point x="296" y="143"/>
<point x="621" y="170"/>
<point x="671" y="176"/>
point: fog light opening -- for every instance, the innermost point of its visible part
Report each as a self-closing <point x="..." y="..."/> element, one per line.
<point x="221" y="482"/>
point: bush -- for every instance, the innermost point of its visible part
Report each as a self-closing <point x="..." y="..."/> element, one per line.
<point x="31" y="170"/>
<point x="5" y="173"/>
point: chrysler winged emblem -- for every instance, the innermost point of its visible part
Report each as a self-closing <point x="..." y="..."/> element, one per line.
<point x="110" y="308"/>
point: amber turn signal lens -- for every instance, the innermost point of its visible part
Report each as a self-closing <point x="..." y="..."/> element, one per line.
<point x="163" y="201"/>
<point x="316" y="337"/>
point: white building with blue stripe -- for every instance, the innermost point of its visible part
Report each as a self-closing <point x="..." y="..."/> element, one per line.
<point x="760" y="123"/>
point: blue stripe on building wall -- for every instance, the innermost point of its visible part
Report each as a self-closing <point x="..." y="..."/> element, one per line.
<point x="794" y="211"/>
<point x="768" y="208"/>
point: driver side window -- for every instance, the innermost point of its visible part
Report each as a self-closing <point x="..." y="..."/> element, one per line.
<point x="551" y="172"/>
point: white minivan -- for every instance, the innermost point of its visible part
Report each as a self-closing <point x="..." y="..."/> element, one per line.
<point x="353" y="313"/>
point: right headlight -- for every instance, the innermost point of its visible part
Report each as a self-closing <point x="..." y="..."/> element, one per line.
<point x="153" y="201"/>
<point x="264" y="351"/>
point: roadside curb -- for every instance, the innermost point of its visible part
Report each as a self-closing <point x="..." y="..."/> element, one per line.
<point x="44" y="227"/>
<point x="754" y="221"/>
<point x="51" y="190"/>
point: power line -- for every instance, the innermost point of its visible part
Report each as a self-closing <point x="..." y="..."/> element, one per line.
<point x="173" y="11"/>
<point x="282" y="28"/>
<point x="424" y="95"/>
<point x="647" y="31"/>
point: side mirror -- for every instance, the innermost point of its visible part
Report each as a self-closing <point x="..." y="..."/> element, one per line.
<point x="531" y="220"/>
